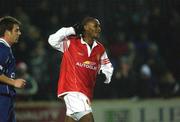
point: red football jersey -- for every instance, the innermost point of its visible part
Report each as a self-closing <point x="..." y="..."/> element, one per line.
<point x="78" y="69"/>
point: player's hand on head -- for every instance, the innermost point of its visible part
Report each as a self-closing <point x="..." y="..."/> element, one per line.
<point x="101" y="76"/>
<point x="78" y="28"/>
<point x="19" y="83"/>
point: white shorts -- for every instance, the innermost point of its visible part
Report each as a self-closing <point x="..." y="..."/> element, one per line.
<point x="77" y="105"/>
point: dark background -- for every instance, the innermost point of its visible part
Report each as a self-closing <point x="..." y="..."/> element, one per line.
<point x="122" y="21"/>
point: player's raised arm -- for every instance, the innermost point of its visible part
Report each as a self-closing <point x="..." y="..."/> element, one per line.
<point x="57" y="39"/>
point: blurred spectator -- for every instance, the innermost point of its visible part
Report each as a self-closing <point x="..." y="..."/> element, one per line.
<point x="147" y="83"/>
<point x="124" y="83"/>
<point x="149" y="65"/>
<point x="167" y="86"/>
<point x="31" y="87"/>
<point x="120" y="46"/>
<point x="39" y="69"/>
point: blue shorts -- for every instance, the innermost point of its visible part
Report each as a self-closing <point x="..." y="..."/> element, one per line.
<point x="7" y="113"/>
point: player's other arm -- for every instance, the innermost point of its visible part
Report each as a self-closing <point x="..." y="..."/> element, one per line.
<point x="106" y="67"/>
<point x="18" y="83"/>
<point x="57" y="39"/>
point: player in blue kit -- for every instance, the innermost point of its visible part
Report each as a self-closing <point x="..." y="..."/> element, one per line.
<point x="9" y="35"/>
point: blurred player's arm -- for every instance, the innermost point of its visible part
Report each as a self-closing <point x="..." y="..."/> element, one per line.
<point x="57" y="39"/>
<point x="106" y="67"/>
<point x="18" y="83"/>
<point x="6" y="80"/>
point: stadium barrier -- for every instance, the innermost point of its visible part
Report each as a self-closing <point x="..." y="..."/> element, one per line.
<point x="41" y="111"/>
<point x="156" y="110"/>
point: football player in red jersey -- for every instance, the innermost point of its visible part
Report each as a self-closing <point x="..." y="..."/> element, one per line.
<point x="84" y="60"/>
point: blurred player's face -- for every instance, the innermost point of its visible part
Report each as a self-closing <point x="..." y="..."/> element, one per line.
<point x="14" y="34"/>
<point x="93" y="29"/>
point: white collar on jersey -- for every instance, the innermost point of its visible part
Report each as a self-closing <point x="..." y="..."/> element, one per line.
<point x="94" y="42"/>
<point x="4" y="42"/>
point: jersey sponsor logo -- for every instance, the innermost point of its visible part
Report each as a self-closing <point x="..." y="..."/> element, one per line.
<point x="87" y="64"/>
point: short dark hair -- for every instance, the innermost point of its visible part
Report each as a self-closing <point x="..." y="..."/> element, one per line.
<point x="7" y="23"/>
<point x="87" y="19"/>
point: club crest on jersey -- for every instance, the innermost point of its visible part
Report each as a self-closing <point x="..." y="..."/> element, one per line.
<point x="87" y="64"/>
<point x="81" y="54"/>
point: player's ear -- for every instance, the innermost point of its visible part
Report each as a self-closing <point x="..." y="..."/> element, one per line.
<point x="85" y="27"/>
<point x="7" y="32"/>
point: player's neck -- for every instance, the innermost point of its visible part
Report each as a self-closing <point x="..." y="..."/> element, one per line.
<point x="7" y="40"/>
<point x="88" y="40"/>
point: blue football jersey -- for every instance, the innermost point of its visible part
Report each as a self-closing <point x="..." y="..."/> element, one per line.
<point x="7" y="67"/>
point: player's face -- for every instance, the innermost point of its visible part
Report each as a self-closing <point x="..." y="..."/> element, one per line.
<point x="93" y="28"/>
<point x="14" y="34"/>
